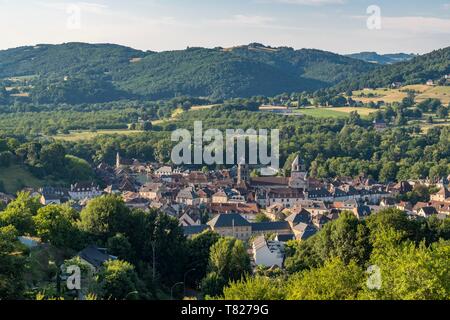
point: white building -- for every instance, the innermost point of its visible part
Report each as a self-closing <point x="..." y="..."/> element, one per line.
<point x="268" y="253"/>
<point x="164" y="171"/>
<point x="81" y="191"/>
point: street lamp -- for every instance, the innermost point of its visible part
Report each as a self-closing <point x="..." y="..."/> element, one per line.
<point x="171" y="290"/>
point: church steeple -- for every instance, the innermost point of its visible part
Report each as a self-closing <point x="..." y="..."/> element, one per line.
<point x="118" y="165"/>
<point x="296" y="164"/>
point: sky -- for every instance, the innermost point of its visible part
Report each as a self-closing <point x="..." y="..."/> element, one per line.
<point x="342" y="26"/>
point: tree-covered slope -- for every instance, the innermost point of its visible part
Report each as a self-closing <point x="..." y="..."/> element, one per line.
<point x="78" y="72"/>
<point x="87" y="73"/>
<point x="433" y="66"/>
<point x="383" y="59"/>
<point x="237" y="72"/>
<point x="65" y="59"/>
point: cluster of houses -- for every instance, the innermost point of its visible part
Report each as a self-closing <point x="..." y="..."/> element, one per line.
<point x="231" y="202"/>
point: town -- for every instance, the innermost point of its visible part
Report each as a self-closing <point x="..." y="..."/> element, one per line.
<point x="211" y="151"/>
<point x="232" y="203"/>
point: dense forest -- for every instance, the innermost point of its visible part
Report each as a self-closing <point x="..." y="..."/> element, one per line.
<point x="79" y="73"/>
<point x="84" y="73"/>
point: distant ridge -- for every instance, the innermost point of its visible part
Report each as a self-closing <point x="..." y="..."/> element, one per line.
<point x="383" y="59"/>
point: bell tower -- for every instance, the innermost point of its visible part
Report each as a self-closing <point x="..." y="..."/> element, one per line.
<point x="243" y="174"/>
<point x="299" y="175"/>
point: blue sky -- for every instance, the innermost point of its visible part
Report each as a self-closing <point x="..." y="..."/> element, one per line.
<point x="335" y="25"/>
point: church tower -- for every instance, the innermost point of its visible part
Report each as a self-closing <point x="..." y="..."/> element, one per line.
<point x="299" y="175"/>
<point x="243" y="174"/>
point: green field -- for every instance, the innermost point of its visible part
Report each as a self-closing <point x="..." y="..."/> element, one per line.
<point x="74" y="136"/>
<point x="17" y="177"/>
<point x="335" y="112"/>
<point x="396" y="95"/>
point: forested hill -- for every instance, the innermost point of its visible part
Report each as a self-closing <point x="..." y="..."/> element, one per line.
<point x="237" y="72"/>
<point x="66" y="59"/>
<point x="374" y="57"/>
<point x="78" y="72"/>
<point x="87" y="73"/>
<point x="432" y="66"/>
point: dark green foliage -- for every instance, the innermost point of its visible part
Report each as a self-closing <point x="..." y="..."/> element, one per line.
<point x="199" y="249"/>
<point x="373" y="57"/>
<point x="12" y="269"/>
<point x="77" y="72"/>
<point x="416" y="71"/>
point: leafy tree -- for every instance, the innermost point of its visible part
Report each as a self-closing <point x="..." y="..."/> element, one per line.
<point x="120" y="246"/>
<point x="388" y="172"/>
<point x="410" y="271"/>
<point x="52" y="158"/>
<point x="105" y="216"/>
<point x="392" y="219"/>
<point x="212" y="285"/>
<point x="199" y="249"/>
<point x="56" y="224"/>
<point x="118" y="280"/>
<point x="77" y="169"/>
<point x="157" y="239"/>
<point x="256" y="288"/>
<point x="442" y="112"/>
<point x="20" y="212"/>
<point x="334" y="281"/>
<point x="345" y="238"/>
<point x="12" y="264"/>
<point x="228" y="261"/>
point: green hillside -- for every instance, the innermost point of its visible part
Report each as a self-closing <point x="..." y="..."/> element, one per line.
<point x="78" y="72"/>
<point x="16" y="178"/>
<point x="65" y="59"/>
<point x="416" y="71"/>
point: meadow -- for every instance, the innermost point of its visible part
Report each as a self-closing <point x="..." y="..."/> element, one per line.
<point x="337" y="112"/>
<point x="16" y="177"/>
<point x="423" y="92"/>
<point x="80" y="135"/>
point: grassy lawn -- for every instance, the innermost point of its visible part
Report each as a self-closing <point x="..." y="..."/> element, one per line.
<point x="74" y="136"/>
<point x="17" y="177"/>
